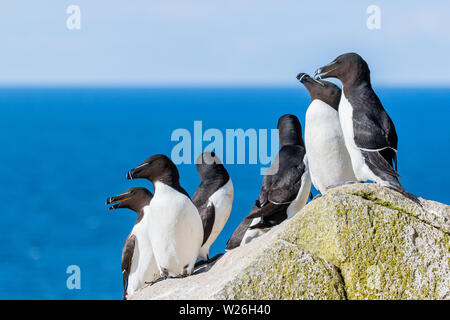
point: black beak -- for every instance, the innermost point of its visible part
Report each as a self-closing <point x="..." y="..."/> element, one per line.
<point x="318" y="73"/>
<point x="322" y="72"/>
<point x="117" y="200"/>
<point x="130" y="174"/>
<point x="302" y="77"/>
<point x="136" y="173"/>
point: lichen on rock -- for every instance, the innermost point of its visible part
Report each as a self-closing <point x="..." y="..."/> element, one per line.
<point x="380" y="240"/>
<point x="360" y="241"/>
<point x="285" y="272"/>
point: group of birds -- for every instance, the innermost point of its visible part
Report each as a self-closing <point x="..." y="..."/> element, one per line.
<point x="349" y="138"/>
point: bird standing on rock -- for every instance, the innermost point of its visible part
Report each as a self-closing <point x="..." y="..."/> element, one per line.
<point x="176" y="230"/>
<point x="213" y="199"/>
<point x="328" y="158"/>
<point x="369" y="132"/>
<point x="285" y="189"/>
<point x="138" y="262"/>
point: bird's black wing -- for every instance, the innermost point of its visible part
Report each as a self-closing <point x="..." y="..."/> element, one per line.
<point x="285" y="188"/>
<point x="278" y="190"/>
<point x="265" y="188"/>
<point x="269" y="209"/>
<point x="382" y="168"/>
<point x="238" y="234"/>
<point x="271" y="221"/>
<point x="284" y="183"/>
<point x="208" y="215"/>
<point x="201" y="196"/>
<point x="127" y="259"/>
<point x="373" y="129"/>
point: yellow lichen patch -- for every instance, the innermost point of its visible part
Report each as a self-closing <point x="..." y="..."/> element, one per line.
<point x="382" y="250"/>
<point x="285" y="272"/>
<point x="360" y="241"/>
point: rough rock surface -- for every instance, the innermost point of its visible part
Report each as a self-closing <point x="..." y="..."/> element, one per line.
<point x="359" y="241"/>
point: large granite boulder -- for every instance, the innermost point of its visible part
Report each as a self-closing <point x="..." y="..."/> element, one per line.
<point x="359" y="241"/>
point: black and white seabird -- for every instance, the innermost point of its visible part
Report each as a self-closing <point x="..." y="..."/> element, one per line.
<point x="176" y="230"/>
<point x="369" y="132"/>
<point x="285" y="189"/>
<point x="328" y="158"/>
<point x="213" y="199"/>
<point x="138" y="262"/>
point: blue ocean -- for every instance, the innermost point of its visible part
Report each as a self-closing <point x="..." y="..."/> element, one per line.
<point x="65" y="150"/>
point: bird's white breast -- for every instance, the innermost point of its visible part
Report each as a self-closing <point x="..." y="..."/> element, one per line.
<point x="176" y="229"/>
<point x="329" y="160"/>
<point x="222" y="200"/>
<point x="143" y="266"/>
<point x="346" y="120"/>
<point x="360" y="169"/>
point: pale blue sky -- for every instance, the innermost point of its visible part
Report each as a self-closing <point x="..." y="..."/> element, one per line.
<point x="219" y="42"/>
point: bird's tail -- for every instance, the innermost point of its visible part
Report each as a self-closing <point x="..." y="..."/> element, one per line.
<point x="238" y="235"/>
<point x="382" y="169"/>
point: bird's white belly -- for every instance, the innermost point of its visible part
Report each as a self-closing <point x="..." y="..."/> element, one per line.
<point x="176" y="230"/>
<point x="360" y="169"/>
<point x="143" y="266"/>
<point x="222" y="200"/>
<point x="329" y="160"/>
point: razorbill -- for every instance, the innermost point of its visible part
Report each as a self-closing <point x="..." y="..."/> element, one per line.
<point x="138" y="262"/>
<point x="285" y="189"/>
<point x="369" y="132"/>
<point x="328" y="158"/>
<point x="213" y="198"/>
<point x="176" y="230"/>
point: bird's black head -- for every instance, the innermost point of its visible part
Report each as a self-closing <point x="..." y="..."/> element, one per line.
<point x="156" y="168"/>
<point x="322" y="90"/>
<point x="209" y="166"/>
<point x="134" y="199"/>
<point x="289" y="130"/>
<point x="349" y="68"/>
